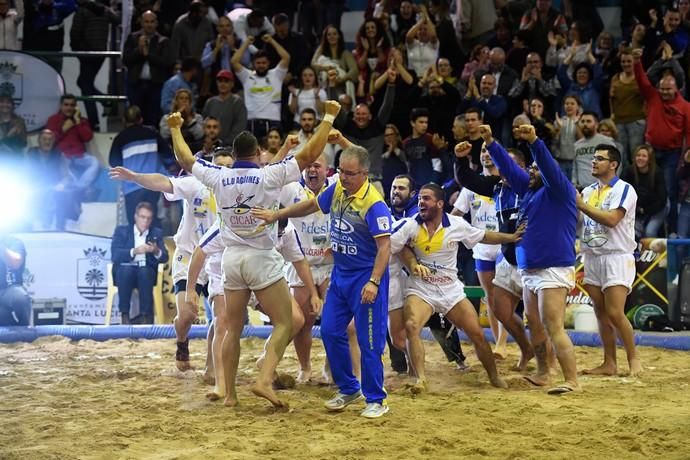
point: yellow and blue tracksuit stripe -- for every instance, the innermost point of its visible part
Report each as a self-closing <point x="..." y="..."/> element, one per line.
<point x="356" y="221"/>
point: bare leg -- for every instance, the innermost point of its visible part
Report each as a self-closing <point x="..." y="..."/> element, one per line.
<point x="220" y="326"/>
<point x="504" y="310"/>
<point x="416" y="313"/>
<point x="277" y="304"/>
<point x="607" y="333"/>
<point x="186" y="314"/>
<point x="303" y="338"/>
<point x="464" y="316"/>
<point x="552" y="307"/>
<point x="209" y="371"/>
<point x="235" y="307"/>
<point x="615" y="309"/>
<point x="396" y="329"/>
<point x="538" y="336"/>
<point x="500" y="337"/>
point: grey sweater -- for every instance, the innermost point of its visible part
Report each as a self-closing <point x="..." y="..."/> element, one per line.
<point x="231" y="113"/>
<point x="584" y="151"/>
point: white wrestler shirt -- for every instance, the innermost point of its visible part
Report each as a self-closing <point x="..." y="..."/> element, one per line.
<point x="440" y="251"/>
<point x="199" y="211"/>
<point x="482" y="211"/>
<point x="241" y="188"/>
<point x="262" y="94"/>
<point x="313" y="230"/>
<point x="598" y="239"/>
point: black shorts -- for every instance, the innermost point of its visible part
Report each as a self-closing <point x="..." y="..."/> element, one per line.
<point x="181" y="286"/>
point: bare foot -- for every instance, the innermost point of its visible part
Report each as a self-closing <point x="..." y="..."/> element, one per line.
<point x="539" y="380"/>
<point x="303" y="376"/>
<point x="183" y="366"/>
<point x="208" y="377"/>
<point x="500" y="355"/>
<point x="419" y="387"/>
<point x="498" y="382"/>
<point x="635" y="367"/>
<point x="604" y="369"/>
<point x="215" y="394"/>
<point x="267" y="392"/>
<point x="521" y="365"/>
<point x="566" y="387"/>
<point x="230" y="401"/>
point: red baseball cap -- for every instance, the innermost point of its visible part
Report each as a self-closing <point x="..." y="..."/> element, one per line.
<point x="225" y="74"/>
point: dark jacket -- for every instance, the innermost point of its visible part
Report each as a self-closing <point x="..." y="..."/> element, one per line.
<point x="158" y="58"/>
<point x="90" y="29"/>
<point x="123" y="242"/>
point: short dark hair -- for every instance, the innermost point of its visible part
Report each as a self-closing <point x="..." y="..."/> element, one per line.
<point x="409" y="178"/>
<point x="475" y="110"/>
<point x="189" y="63"/>
<point x="308" y="110"/>
<point x="245" y="145"/>
<point x="66" y="96"/>
<point x="614" y="153"/>
<point x="260" y="54"/>
<point x="436" y="189"/>
<point x="223" y="151"/>
<point x="591" y="114"/>
<point x="519" y="155"/>
<point x="133" y="114"/>
<point x="211" y="118"/>
<point x="418" y="112"/>
<point x="143" y="205"/>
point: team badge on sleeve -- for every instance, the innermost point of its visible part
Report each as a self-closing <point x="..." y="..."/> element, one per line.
<point x="383" y="223"/>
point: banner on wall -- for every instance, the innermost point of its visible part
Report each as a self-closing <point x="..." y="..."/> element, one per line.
<point x="72" y="266"/>
<point x="34" y="86"/>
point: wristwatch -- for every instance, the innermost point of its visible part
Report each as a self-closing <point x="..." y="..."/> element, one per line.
<point x="375" y="281"/>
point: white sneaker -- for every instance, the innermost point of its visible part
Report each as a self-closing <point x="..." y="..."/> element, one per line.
<point x="374" y="410"/>
<point x="340" y="401"/>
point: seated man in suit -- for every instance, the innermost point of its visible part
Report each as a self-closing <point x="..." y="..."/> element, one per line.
<point x="136" y="252"/>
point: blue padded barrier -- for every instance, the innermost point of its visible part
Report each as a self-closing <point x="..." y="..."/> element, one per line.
<point x="167" y="331"/>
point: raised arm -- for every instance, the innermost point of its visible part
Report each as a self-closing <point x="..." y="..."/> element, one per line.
<point x="301" y="209"/>
<point x="643" y="83"/>
<point x="314" y="147"/>
<point x="236" y="60"/>
<point x="516" y="176"/>
<point x="467" y="177"/>
<point x="282" y="52"/>
<point x="551" y="174"/>
<point x="183" y="153"/>
<point x="155" y="182"/>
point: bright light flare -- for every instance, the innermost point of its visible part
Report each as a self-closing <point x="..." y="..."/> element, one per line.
<point x="15" y="198"/>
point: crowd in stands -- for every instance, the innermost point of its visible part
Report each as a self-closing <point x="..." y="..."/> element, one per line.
<point x="419" y="77"/>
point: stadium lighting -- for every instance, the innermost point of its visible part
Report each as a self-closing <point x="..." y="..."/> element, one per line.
<point x="14" y="199"/>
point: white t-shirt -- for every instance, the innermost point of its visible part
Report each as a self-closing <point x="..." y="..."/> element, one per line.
<point x="440" y="252"/>
<point x="212" y="245"/>
<point x="420" y="56"/>
<point x="307" y="100"/>
<point x="242" y="187"/>
<point x="482" y="211"/>
<point x="288" y="246"/>
<point x="262" y="94"/>
<point x="199" y="211"/>
<point x="313" y="230"/>
<point x="599" y="239"/>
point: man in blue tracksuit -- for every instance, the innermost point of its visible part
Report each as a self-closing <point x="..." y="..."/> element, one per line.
<point x="546" y="253"/>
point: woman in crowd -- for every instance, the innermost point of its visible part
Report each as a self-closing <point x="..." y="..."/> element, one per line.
<point x="393" y="158"/>
<point x="332" y="55"/>
<point x="567" y="132"/>
<point x="479" y="60"/>
<point x="422" y="45"/>
<point x="273" y="141"/>
<point x="544" y="127"/>
<point x="648" y="181"/>
<point x="307" y="96"/>
<point x="193" y="124"/>
<point x="12" y="130"/>
<point x="627" y="107"/>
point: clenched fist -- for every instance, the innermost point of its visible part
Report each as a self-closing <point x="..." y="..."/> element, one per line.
<point x="487" y="135"/>
<point x="528" y="133"/>
<point x="463" y="149"/>
<point x="332" y="107"/>
<point x="175" y="120"/>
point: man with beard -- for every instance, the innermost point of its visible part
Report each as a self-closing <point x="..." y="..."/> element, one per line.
<point x="307" y="122"/>
<point x="211" y="140"/>
<point x="585" y="148"/>
<point x="546" y="254"/>
<point x="608" y="244"/>
<point x="404" y="205"/>
<point x="428" y="245"/>
<point x="263" y="86"/>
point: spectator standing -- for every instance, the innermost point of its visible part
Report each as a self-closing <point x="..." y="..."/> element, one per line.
<point x="331" y="54"/>
<point x="307" y="96"/>
<point x="441" y="101"/>
<point x="10" y="18"/>
<point x="217" y="54"/>
<point x="421" y="150"/>
<point x="44" y="28"/>
<point x="648" y="181"/>
<point x="147" y="57"/>
<point x="184" y="79"/>
<point x="294" y="43"/>
<point x="227" y="108"/>
<point x="263" y="86"/>
<point x="402" y="20"/>
<point x="668" y="115"/>
<point x="586" y="83"/>
<point x="538" y="22"/>
<point x="90" y="32"/>
<point x="394" y="162"/>
<point x="494" y="107"/>
<point x="477" y="22"/>
<point x="533" y="84"/>
<point x="505" y="76"/>
<point x="141" y="149"/>
<point x="627" y="107"/>
<point x="585" y="148"/>
<point x="191" y="32"/>
<point x="72" y="133"/>
<point x="422" y="45"/>
<point x="567" y="133"/>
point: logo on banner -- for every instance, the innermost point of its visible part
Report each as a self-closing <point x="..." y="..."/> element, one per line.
<point x="91" y="274"/>
<point x="11" y="82"/>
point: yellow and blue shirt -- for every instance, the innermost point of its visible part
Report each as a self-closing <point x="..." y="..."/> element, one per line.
<point x="355" y="222"/>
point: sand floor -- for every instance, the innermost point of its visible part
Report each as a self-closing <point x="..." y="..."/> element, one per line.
<point x="124" y="399"/>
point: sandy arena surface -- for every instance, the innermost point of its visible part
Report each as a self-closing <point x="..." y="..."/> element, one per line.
<point x="124" y="399"/>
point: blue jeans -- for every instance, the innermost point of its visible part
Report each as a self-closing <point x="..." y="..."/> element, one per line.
<point x="668" y="161"/>
<point x="342" y="303"/>
<point x="89" y="167"/>
<point x="648" y="226"/>
<point x="630" y="135"/>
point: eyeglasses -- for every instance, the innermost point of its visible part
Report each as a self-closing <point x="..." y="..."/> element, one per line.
<point x="348" y="173"/>
<point x="599" y="158"/>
